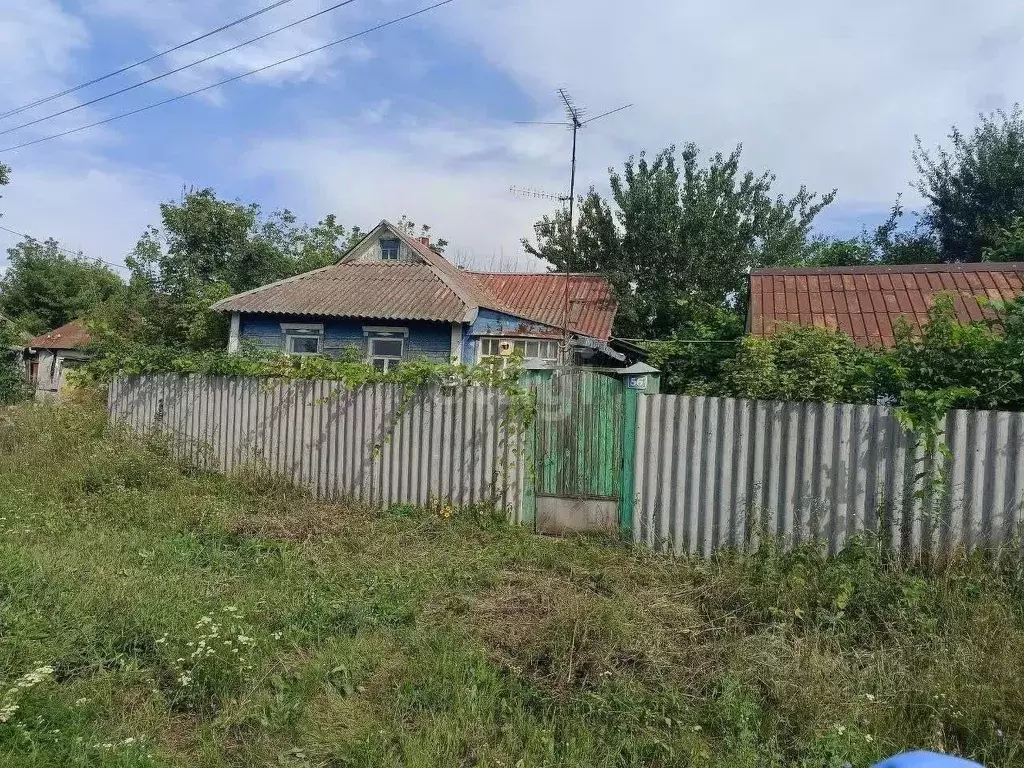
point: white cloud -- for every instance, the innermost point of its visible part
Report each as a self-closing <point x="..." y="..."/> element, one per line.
<point x="38" y="42"/>
<point x="454" y="177"/>
<point x="170" y="23"/>
<point x="823" y="94"/>
<point x="85" y="203"/>
<point x="827" y="94"/>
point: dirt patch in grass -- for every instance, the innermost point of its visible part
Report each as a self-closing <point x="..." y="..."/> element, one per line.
<point x="569" y="634"/>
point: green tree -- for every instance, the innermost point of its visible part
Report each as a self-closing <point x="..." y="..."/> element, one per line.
<point x="44" y="287"/>
<point x="679" y="237"/>
<point x="800" y="364"/>
<point x="888" y="244"/>
<point x="983" y="359"/>
<point x="408" y="226"/>
<point x="13" y="386"/>
<point x="975" y="187"/>
<point x="207" y="249"/>
<point x="1008" y="244"/>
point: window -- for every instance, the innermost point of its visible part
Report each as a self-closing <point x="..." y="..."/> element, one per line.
<point x="302" y="343"/>
<point x="389" y="249"/>
<point x="528" y="349"/>
<point x="303" y="338"/>
<point x="386" y="352"/>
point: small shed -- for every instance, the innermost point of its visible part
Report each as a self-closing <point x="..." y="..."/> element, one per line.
<point x="51" y="355"/>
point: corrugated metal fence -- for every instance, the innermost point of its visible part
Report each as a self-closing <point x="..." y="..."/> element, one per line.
<point x="713" y="472"/>
<point x="369" y="444"/>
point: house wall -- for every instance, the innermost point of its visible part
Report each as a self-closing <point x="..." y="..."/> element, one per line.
<point x="426" y="339"/>
<point x="51" y="369"/>
<point x="370" y="250"/>
<point x="491" y="323"/>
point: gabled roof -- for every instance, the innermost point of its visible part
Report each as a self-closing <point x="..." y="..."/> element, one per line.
<point x="432" y="289"/>
<point x="866" y="302"/>
<point x="73" y="335"/>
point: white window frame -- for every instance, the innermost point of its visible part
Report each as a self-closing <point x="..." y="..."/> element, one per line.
<point x="548" y="345"/>
<point x="390" y="362"/>
<point x="375" y="333"/>
<point x="397" y="252"/>
<point x="292" y="337"/>
<point x="293" y="331"/>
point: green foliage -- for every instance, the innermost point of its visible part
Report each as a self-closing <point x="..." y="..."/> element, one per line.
<point x="965" y="365"/>
<point x="678" y="235"/>
<point x="693" y="364"/>
<point x="983" y="361"/>
<point x="804" y="364"/>
<point x="44" y="287"/>
<point x="206" y="250"/>
<point x="377" y="639"/>
<point x="1008" y="244"/>
<point x="409" y="227"/>
<point x="13" y="386"/>
<point x="887" y="244"/>
<point x="974" y="188"/>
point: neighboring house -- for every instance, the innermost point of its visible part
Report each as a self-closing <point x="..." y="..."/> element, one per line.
<point x="51" y="355"/>
<point x="394" y="298"/>
<point x="865" y="303"/>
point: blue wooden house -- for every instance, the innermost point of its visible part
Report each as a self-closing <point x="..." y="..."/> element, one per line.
<point x="394" y="298"/>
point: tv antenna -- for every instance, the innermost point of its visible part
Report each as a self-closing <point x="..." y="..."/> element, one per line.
<point x="575" y="119"/>
<point x="530" y="192"/>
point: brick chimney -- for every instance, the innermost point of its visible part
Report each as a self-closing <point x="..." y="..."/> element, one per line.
<point x="425" y="239"/>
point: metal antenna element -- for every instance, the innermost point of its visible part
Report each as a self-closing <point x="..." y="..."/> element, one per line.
<point x="574" y="120"/>
<point x="530" y="192"/>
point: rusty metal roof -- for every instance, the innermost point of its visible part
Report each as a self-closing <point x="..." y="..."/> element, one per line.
<point x="433" y="290"/>
<point x="71" y="335"/>
<point x="541" y="297"/>
<point x="865" y="302"/>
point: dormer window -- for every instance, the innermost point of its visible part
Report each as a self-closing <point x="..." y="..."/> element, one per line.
<point x="389" y="249"/>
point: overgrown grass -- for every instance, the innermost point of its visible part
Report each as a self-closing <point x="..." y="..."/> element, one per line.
<point x="154" y="615"/>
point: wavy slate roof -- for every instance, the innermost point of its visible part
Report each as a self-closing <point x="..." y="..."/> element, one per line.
<point x="71" y="335"/>
<point x="432" y="290"/>
<point x="865" y="302"/>
<point x="387" y="291"/>
<point x="541" y="297"/>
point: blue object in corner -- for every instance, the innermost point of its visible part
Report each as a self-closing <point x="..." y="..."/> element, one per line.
<point x="926" y="760"/>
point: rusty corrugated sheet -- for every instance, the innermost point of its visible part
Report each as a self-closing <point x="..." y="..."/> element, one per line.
<point x="541" y="297"/>
<point x="866" y="302"/>
<point x="377" y="290"/>
<point x="71" y="335"/>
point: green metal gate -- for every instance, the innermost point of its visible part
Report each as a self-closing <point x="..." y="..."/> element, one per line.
<point x="578" y="450"/>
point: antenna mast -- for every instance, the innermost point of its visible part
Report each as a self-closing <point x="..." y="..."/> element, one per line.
<point x="573" y="115"/>
<point x="574" y="121"/>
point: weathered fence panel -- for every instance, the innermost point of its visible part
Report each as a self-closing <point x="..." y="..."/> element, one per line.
<point x="368" y="444"/>
<point x="715" y="472"/>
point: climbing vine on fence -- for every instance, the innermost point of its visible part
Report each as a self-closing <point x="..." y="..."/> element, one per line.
<point x="350" y="369"/>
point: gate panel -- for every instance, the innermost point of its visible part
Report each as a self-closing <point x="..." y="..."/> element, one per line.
<point x="578" y="450"/>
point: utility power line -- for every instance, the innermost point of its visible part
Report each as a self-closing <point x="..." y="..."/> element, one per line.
<point x="176" y="71"/>
<point x="76" y="254"/>
<point x="155" y="56"/>
<point x="179" y="97"/>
